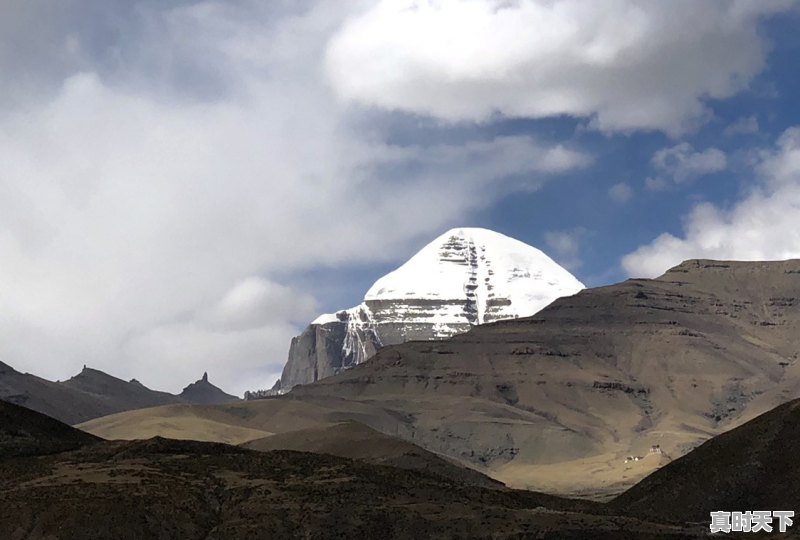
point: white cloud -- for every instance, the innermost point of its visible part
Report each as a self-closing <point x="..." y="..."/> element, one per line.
<point x="682" y="163"/>
<point x="620" y="192"/>
<point x="625" y="64"/>
<point x="781" y="166"/>
<point x="151" y="208"/>
<point x="761" y="226"/>
<point x="747" y="125"/>
<point x="255" y="302"/>
<point x="655" y="183"/>
<point x="566" y="246"/>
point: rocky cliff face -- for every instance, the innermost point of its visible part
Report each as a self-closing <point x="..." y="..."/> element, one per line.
<point x="463" y="278"/>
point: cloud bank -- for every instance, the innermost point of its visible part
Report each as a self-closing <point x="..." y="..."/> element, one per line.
<point x="760" y="226"/>
<point x="624" y="64"/>
<point x="682" y="162"/>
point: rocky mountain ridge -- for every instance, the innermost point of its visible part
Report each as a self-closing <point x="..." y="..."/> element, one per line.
<point x="93" y="393"/>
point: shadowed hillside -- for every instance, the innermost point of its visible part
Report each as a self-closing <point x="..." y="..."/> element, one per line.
<point x="357" y="441"/>
<point x="753" y="467"/>
<point x="93" y="393"/>
<point x="26" y="433"/>
<point x="160" y="488"/>
<point x="189" y="490"/>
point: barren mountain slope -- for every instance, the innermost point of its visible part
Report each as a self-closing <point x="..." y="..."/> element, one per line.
<point x="89" y="394"/>
<point x="556" y="402"/>
<point x="24" y="432"/>
<point x="209" y="491"/>
<point x="240" y="422"/>
<point x="753" y="467"/>
<point x="93" y="393"/>
<point x="599" y="376"/>
<point x="161" y="488"/>
<point x="185" y="422"/>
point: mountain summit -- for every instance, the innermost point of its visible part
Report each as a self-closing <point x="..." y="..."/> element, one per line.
<point x="477" y="276"/>
<point x="202" y="392"/>
<point x="465" y="277"/>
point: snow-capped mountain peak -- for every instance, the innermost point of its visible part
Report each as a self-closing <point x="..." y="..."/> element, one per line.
<point x="466" y="276"/>
<point x="479" y="265"/>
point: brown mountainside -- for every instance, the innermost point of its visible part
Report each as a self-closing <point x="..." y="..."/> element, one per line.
<point x="598" y="376"/>
<point x="753" y="467"/>
<point x="557" y="401"/>
<point x="71" y="485"/>
<point x="161" y="488"/>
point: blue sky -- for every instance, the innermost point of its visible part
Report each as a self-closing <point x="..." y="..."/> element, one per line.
<point x="579" y="204"/>
<point x="184" y="184"/>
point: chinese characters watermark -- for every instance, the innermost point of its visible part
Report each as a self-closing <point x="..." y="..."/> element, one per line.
<point x="751" y="521"/>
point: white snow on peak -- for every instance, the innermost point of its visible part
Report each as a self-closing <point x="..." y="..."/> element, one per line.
<point x="479" y="265"/>
<point x="325" y="318"/>
<point x="464" y="277"/>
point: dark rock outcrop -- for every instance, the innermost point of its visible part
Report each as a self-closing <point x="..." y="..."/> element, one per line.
<point x="203" y="392"/>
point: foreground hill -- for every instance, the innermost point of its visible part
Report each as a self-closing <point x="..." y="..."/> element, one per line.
<point x="93" y="393"/>
<point x="558" y="401"/>
<point x="186" y="489"/>
<point x="356" y="441"/>
<point x="186" y="422"/>
<point x="191" y="490"/>
<point x="161" y="488"/>
<point x="26" y="433"/>
<point x="753" y="467"/>
<point x="240" y="422"/>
